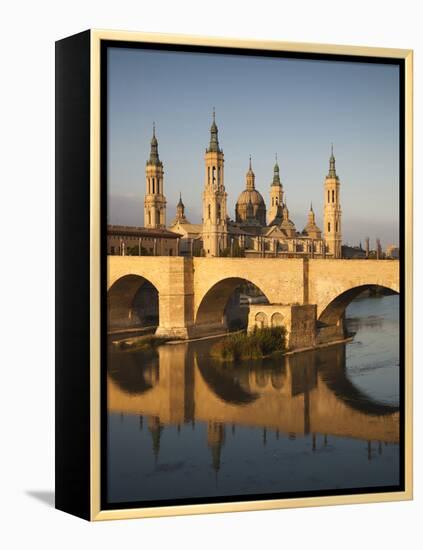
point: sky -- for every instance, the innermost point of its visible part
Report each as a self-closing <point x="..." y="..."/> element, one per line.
<point x="295" y="108"/>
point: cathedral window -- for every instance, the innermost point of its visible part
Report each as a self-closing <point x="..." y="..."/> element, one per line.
<point x="209" y="211"/>
<point x="328" y="196"/>
<point x="333" y="196"/>
<point x="149" y="217"/>
<point x="328" y="227"/>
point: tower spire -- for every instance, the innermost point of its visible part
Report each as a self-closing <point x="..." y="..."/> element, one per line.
<point x="332" y="168"/>
<point x="154" y="149"/>
<point x="215" y="232"/>
<point x="154" y="199"/>
<point x="250" y="177"/>
<point x="311" y="218"/>
<point x="214" y="140"/>
<point x="332" y="211"/>
<point x="276" y="176"/>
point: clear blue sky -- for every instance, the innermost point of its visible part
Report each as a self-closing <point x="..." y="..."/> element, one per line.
<point x="263" y="105"/>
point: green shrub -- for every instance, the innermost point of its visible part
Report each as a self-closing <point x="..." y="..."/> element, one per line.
<point x="252" y="345"/>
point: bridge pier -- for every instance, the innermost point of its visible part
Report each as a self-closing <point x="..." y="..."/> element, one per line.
<point x="176" y="308"/>
<point x="330" y="333"/>
<point x="298" y="320"/>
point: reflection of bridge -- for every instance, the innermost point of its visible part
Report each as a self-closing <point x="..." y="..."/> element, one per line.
<point x="308" y="394"/>
<point x="193" y="292"/>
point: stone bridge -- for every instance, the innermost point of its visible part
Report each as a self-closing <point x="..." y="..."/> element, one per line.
<point x="309" y="295"/>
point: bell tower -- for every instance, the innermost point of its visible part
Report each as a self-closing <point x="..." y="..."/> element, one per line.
<point x="332" y="212"/>
<point x="215" y="230"/>
<point x="154" y="200"/>
<point x="276" y="195"/>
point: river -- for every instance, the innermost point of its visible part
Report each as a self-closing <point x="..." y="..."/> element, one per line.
<point x="181" y="426"/>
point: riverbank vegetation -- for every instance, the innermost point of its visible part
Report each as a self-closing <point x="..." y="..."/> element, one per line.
<point x="256" y="344"/>
<point x="141" y="343"/>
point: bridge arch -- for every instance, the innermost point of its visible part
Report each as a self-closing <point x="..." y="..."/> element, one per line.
<point x="211" y="310"/>
<point x="333" y="311"/>
<point x="132" y="302"/>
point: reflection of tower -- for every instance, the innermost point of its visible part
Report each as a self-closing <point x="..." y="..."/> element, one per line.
<point x="215" y="230"/>
<point x="155" y="428"/>
<point x="276" y="195"/>
<point x="154" y="201"/>
<point x="332" y="211"/>
<point x="215" y="440"/>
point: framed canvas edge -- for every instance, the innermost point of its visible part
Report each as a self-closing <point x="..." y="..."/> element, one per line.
<point x="96" y="514"/>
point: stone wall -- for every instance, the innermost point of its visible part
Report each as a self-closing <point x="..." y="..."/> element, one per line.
<point x="299" y="322"/>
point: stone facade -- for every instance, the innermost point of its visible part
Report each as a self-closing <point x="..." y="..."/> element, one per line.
<point x="140" y="241"/>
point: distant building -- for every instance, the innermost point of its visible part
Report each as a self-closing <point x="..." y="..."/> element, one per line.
<point x="141" y="241"/>
<point x="393" y="252"/>
<point x="349" y="252"/>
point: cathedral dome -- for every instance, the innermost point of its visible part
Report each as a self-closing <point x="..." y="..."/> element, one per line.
<point x="250" y="199"/>
<point x="252" y="196"/>
<point x="250" y="204"/>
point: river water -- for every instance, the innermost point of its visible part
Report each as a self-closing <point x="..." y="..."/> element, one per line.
<point x="181" y="426"/>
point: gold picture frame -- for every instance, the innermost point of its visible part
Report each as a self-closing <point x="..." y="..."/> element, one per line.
<point x="91" y="509"/>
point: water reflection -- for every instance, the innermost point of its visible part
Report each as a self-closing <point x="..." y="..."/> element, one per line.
<point x="267" y="414"/>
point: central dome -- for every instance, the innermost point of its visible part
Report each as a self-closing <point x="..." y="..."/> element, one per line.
<point x="250" y="198"/>
<point x="250" y="207"/>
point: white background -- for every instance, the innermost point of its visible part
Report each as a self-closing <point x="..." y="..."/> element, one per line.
<point x="27" y="35"/>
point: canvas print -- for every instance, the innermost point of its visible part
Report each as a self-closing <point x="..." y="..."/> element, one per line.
<point x="252" y="240"/>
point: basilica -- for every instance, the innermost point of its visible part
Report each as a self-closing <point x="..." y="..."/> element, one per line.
<point x="256" y="231"/>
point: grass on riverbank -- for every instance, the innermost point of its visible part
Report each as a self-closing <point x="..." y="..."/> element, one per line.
<point x="256" y="344"/>
<point x="142" y="343"/>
